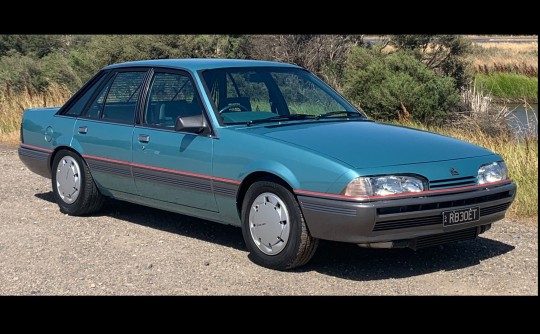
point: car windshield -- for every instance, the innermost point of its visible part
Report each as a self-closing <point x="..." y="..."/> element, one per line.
<point x="251" y="95"/>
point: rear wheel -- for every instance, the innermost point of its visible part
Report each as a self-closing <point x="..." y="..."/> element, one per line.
<point x="73" y="186"/>
<point x="274" y="229"/>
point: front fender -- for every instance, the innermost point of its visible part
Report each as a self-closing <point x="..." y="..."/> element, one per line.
<point x="272" y="167"/>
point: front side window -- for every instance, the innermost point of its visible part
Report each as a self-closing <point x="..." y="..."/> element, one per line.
<point x="116" y="102"/>
<point x="171" y="95"/>
<point x="258" y="93"/>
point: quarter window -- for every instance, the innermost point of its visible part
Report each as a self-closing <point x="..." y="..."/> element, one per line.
<point x="76" y="107"/>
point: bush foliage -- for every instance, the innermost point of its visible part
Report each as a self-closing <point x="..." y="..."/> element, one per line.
<point x="419" y="79"/>
<point x="397" y="85"/>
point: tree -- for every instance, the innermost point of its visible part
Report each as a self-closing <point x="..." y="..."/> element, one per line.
<point x="445" y="54"/>
<point x="36" y="46"/>
<point x="104" y="50"/>
<point x="324" y="55"/>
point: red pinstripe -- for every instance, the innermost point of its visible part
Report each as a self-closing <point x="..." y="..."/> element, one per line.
<point x="37" y="148"/>
<point x="173" y="171"/>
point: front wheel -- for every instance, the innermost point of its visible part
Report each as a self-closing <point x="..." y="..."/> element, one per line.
<point x="73" y="186"/>
<point x="274" y="229"/>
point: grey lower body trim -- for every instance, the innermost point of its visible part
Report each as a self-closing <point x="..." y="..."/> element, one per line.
<point x="173" y="180"/>
<point x="36" y="161"/>
<point x="365" y="222"/>
<point x="108" y="167"/>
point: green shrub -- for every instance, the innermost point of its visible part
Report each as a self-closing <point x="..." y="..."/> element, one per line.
<point x="19" y="72"/>
<point x="56" y="69"/>
<point x="388" y="86"/>
<point x="445" y="54"/>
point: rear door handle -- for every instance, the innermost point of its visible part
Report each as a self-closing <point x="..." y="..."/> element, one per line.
<point x="144" y="138"/>
<point x="83" y="130"/>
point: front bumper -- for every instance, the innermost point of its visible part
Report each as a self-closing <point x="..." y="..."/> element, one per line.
<point x="363" y="222"/>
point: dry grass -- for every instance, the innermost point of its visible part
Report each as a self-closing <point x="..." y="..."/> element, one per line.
<point x="521" y="158"/>
<point x="12" y="106"/>
<point x="520" y="58"/>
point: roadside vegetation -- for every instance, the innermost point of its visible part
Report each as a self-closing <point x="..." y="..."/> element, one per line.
<point x="441" y="83"/>
<point x="13" y="104"/>
<point x="508" y="71"/>
<point x="509" y="87"/>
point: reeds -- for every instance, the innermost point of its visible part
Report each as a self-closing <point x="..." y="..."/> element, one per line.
<point x="509" y="86"/>
<point x="481" y="112"/>
<point x="523" y="69"/>
<point x="517" y="58"/>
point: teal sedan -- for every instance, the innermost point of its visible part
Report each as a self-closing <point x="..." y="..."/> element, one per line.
<point x="265" y="146"/>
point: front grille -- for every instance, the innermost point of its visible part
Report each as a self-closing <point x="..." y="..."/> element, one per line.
<point x="440" y="239"/>
<point x="430" y="220"/>
<point x="452" y="183"/>
<point x="443" y="205"/>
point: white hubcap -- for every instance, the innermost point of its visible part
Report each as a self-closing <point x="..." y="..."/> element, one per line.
<point x="68" y="180"/>
<point x="269" y="223"/>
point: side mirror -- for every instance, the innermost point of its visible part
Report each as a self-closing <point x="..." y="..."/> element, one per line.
<point x="192" y="124"/>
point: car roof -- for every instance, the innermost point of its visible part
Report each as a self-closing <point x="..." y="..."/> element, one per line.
<point x="196" y="64"/>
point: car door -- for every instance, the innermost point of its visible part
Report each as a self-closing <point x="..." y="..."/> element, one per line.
<point x="171" y="166"/>
<point x="104" y="133"/>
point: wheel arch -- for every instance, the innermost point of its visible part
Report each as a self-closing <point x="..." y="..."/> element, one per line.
<point x="62" y="148"/>
<point x="254" y="177"/>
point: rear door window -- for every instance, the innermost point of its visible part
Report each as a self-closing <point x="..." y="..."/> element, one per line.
<point x="117" y="100"/>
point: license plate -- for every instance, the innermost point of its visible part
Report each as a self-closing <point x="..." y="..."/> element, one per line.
<point x="460" y="216"/>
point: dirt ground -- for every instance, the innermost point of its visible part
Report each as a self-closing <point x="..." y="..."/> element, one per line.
<point x="128" y="249"/>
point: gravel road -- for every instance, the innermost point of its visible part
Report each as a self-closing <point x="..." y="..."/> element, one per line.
<point x="128" y="249"/>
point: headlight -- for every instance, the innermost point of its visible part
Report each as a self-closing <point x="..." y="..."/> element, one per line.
<point x="383" y="185"/>
<point x="492" y="172"/>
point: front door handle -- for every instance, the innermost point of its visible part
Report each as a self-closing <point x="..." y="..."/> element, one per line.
<point x="83" y="130"/>
<point x="144" y="139"/>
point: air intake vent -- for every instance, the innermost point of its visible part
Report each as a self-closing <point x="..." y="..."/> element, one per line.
<point x="453" y="183"/>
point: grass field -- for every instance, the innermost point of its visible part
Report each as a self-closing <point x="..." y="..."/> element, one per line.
<point x="509" y="86"/>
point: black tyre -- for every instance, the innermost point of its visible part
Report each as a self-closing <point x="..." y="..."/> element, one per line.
<point x="73" y="186"/>
<point x="274" y="229"/>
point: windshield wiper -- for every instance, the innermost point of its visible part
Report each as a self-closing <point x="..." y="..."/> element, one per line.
<point x="279" y="118"/>
<point x="342" y="112"/>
